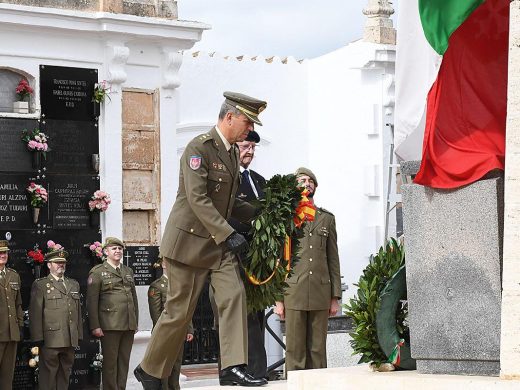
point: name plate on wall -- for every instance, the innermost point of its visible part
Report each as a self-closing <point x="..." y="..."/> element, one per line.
<point x="73" y="145"/>
<point x="15" y="209"/>
<point x="141" y="259"/>
<point x="15" y="157"/>
<point x="66" y="93"/>
<point x="68" y="200"/>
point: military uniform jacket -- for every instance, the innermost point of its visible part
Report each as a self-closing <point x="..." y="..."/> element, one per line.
<point x="157" y="293"/>
<point x="316" y="279"/>
<point x="208" y="180"/>
<point x="55" y="312"/>
<point x="11" y="314"/>
<point x="111" y="298"/>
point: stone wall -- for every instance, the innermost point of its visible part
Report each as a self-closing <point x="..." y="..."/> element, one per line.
<point x="510" y="341"/>
<point x="151" y="8"/>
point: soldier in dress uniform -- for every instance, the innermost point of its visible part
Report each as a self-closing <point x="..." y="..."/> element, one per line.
<point x="157" y="293"/>
<point x="198" y="241"/>
<point x="306" y="315"/>
<point x="55" y="322"/>
<point x="11" y="315"/>
<point x="113" y="313"/>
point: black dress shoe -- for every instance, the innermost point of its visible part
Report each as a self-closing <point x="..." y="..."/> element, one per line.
<point x="149" y="382"/>
<point x="237" y="375"/>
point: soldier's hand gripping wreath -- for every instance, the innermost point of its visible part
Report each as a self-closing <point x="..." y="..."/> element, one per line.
<point x="237" y="243"/>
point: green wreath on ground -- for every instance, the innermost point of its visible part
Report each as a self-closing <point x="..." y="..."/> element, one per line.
<point x="379" y="311"/>
<point x="267" y="266"/>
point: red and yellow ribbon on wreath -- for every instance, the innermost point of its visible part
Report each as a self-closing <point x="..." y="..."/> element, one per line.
<point x="305" y="211"/>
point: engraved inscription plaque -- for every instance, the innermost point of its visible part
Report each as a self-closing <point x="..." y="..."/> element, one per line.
<point x="141" y="259"/>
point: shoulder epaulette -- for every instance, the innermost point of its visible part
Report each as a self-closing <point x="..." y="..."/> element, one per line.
<point x="96" y="267"/>
<point x="204" y="137"/>
<point x="12" y="270"/>
<point x="325" y="211"/>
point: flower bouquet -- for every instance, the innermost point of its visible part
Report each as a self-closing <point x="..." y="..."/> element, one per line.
<point x="37" y="143"/>
<point x="101" y="91"/>
<point x="98" y="203"/>
<point x="35" y="259"/>
<point x="96" y="250"/>
<point x="53" y="246"/>
<point x="38" y="197"/>
<point x="23" y="92"/>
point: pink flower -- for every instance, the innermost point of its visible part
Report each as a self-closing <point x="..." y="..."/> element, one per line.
<point x="32" y="144"/>
<point x="50" y="244"/>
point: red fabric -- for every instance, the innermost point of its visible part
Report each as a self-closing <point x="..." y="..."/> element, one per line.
<point x="464" y="136"/>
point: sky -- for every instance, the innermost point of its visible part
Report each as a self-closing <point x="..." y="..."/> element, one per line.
<point x="297" y="28"/>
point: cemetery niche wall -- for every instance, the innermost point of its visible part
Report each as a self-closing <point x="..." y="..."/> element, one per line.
<point x="68" y="170"/>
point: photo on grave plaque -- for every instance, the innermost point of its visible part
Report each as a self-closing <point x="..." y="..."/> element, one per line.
<point x="66" y="93"/>
<point x="15" y="156"/>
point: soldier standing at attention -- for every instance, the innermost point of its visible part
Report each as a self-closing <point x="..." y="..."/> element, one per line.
<point x="113" y="313"/>
<point x="314" y="288"/>
<point x="11" y="316"/>
<point x="55" y="322"/>
<point x="157" y="293"/>
<point x="198" y="241"/>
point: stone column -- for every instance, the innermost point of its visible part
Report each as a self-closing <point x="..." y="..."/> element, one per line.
<point x="379" y="27"/>
<point x="510" y="332"/>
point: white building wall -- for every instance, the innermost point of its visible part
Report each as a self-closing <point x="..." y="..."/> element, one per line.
<point x="347" y="133"/>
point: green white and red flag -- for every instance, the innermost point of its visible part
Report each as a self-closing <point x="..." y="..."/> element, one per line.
<point x="451" y="88"/>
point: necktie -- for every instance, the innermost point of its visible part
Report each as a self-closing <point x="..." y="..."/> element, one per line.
<point x="247" y="179"/>
<point x="118" y="270"/>
<point x="2" y="274"/>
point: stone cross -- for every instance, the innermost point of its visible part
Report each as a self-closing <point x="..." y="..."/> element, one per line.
<point x="510" y="319"/>
<point x="379" y="27"/>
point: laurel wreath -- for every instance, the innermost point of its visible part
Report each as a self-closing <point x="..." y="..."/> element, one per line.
<point x="266" y="268"/>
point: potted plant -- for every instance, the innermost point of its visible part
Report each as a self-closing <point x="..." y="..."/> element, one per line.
<point x="99" y="203"/>
<point x="37" y="143"/>
<point x="23" y="92"/>
<point x="38" y="197"/>
<point x="101" y="91"/>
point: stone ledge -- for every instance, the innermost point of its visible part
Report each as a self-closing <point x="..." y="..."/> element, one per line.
<point x="360" y="377"/>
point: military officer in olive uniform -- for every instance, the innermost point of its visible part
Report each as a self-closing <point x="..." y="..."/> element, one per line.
<point x="11" y="315"/>
<point x="314" y="288"/>
<point x="157" y="293"/>
<point x="55" y="322"/>
<point x="198" y="241"/>
<point x="113" y="313"/>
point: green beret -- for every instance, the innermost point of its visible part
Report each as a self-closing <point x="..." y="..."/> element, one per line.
<point x="113" y="241"/>
<point x="4" y="246"/>
<point x="57" y="256"/>
<point x="307" y="172"/>
<point x="248" y="105"/>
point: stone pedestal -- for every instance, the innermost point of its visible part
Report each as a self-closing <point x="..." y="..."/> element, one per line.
<point x="453" y="270"/>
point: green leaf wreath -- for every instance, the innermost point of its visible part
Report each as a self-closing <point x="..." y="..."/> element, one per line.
<point x="363" y="308"/>
<point x="266" y="267"/>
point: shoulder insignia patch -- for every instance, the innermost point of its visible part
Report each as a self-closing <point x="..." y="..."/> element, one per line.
<point x="195" y="162"/>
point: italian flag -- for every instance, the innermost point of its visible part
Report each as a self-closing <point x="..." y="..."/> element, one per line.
<point x="451" y="88"/>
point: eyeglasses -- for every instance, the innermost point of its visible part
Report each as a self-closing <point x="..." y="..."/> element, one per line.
<point x="247" y="147"/>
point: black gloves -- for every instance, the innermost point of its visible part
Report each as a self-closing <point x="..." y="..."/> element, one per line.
<point x="237" y="243"/>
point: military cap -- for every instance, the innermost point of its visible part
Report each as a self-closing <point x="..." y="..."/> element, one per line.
<point x="113" y="241"/>
<point x="57" y="256"/>
<point x="253" y="136"/>
<point x="248" y="105"/>
<point x="4" y="246"/>
<point x="306" y="171"/>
